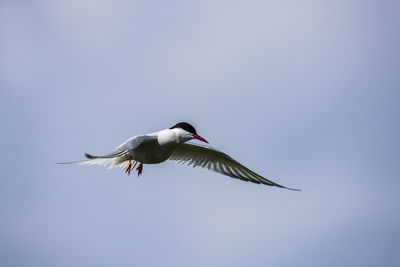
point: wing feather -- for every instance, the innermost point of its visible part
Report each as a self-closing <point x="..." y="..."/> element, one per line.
<point x="215" y="160"/>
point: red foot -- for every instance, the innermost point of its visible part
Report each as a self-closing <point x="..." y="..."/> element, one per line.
<point x="139" y="169"/>
<point x="128" y="169"/>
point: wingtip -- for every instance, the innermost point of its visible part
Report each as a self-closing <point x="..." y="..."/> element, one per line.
<point x="292" y="189"/>
<point x="288" y="188"/>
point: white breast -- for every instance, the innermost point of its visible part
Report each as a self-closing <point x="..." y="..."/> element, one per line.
<point x="158" y="149"/>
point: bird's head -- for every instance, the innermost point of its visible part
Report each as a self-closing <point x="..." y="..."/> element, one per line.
<point x="187" y="132"/>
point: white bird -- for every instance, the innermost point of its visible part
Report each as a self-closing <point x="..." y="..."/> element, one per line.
<point x="170" y="145"/>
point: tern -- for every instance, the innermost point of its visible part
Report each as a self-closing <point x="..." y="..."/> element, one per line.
<point x="171" y="145"/>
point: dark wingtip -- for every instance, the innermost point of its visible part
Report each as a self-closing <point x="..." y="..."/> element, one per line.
<point x="293" y="189"/>
<point x="284" y="187"/>
<point x="90" y="156"/>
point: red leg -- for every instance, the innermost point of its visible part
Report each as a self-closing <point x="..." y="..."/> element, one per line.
<point x="128" y="169"/>
<point x="139" y="169"/>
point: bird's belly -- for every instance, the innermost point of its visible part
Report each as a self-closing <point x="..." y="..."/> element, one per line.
<point x="151" y="153"/>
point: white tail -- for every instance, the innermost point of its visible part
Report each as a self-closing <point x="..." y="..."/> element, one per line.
<point x="120" y="162"/>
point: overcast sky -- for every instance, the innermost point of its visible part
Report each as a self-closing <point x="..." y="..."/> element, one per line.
<point x="305" y="93"/>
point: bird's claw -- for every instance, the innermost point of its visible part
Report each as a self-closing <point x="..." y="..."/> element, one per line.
<point x="128" y="169"/>
<point x="139" y="169"/>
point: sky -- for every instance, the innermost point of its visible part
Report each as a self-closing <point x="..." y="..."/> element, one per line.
<point x="303" y="92"/>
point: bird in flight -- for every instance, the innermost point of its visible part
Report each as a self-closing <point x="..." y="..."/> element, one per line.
<point x="171" y="145"/>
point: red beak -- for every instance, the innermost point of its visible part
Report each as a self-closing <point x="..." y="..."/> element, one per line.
<point x="198" y="137"/>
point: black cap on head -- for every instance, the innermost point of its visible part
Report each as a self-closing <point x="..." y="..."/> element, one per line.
<point x="185" y="126"/>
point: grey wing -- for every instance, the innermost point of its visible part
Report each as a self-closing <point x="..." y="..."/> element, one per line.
<point x="215" y="160"/>
<point x="123" y="148"/>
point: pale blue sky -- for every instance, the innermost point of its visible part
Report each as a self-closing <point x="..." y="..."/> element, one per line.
<point x="303" y="92"/>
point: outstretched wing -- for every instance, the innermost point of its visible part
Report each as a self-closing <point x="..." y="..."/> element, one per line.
<point x="215" y="160"/>
<point x="118" y="158"/>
